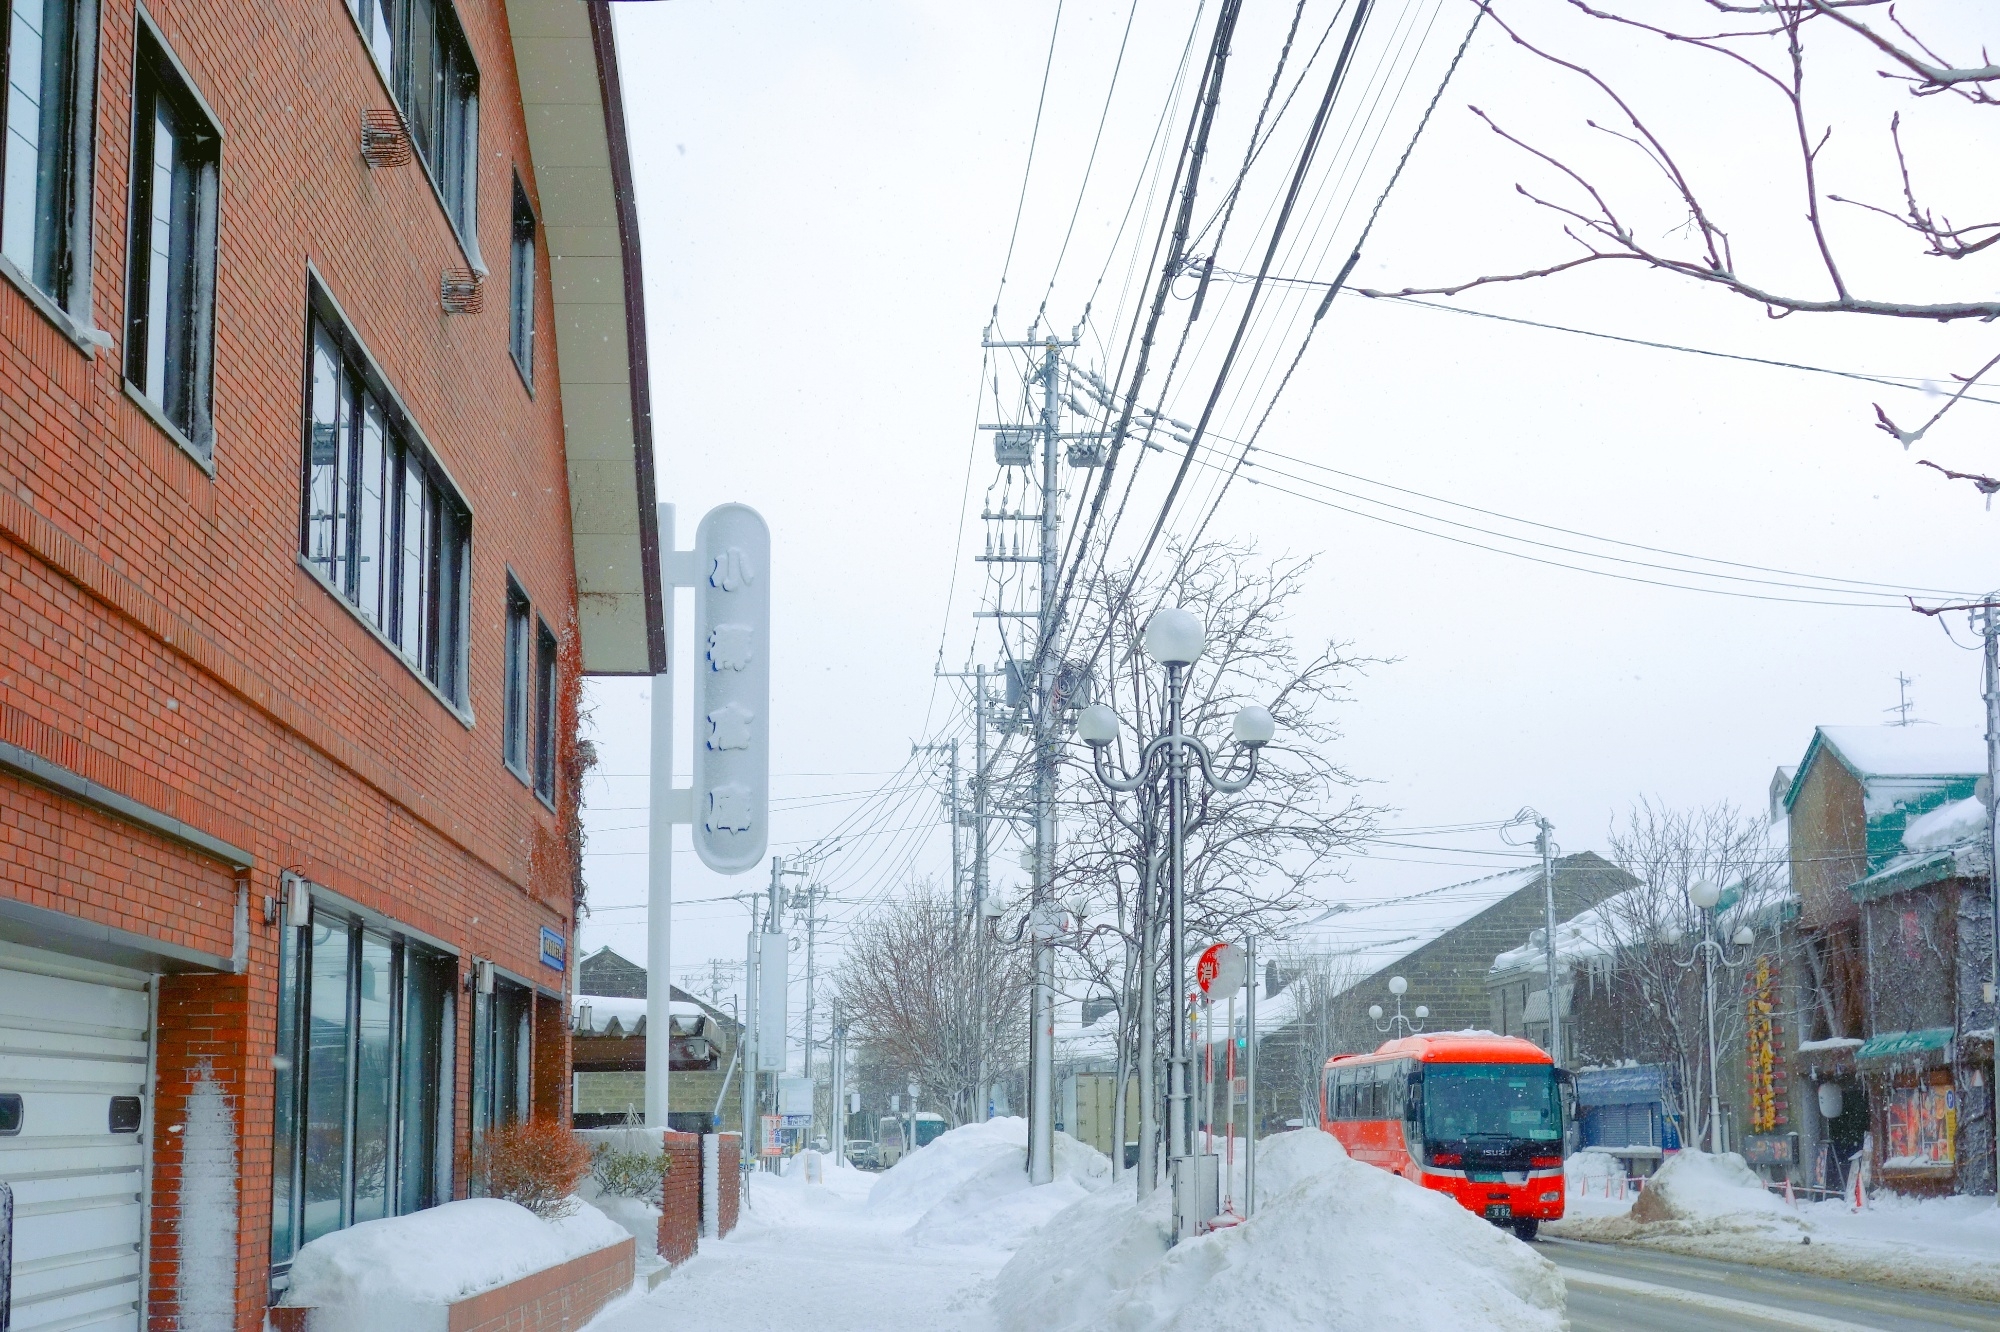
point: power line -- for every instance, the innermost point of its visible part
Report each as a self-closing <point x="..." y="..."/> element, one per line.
<point x="1028" y="169"/>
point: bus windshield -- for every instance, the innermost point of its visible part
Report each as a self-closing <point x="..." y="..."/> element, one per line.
<point x="1491" y="1101"/>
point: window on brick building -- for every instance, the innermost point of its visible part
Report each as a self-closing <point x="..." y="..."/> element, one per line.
<point x="363" y="1114"/>
<point x="521" y="300"/>
<point x="380" y="522"/>
<point x="520" y="623"/>
<point x="51" y="48"/>
<point x="170" y="291"/>
<point x="548" y="684"/>
<point x="423" y="50"/>
<point x="502" y="1055"/>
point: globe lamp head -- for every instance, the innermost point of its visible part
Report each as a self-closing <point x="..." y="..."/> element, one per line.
<point x="1375" y="1012"/>
<point x="1174" y="637"/>
<point x="1097" y="725"/>
<point x="1704" y="894"/>
<point x="1398" y="986"/>
<point x="1254" y="726"/>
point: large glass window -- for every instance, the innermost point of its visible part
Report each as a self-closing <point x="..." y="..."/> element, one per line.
<point x="170" y="296"/>
<point x="363" y="1115"/>
<point x="521" y="301"/>
<point x="548" y="679"/>
<point x="380" y="523"/>
<point x="502" y="1037"/>
<point x="519" y="628"/>
<point x="423" y="49"/>
<point x="1517" y="1101"/>
<point x="39" y="155"/>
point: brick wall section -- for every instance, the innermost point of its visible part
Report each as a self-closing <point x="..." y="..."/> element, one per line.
<point x="559" y="1299"/>
<point x="156" y="631"/>
<point x="730" y="1200"/>
<point x="549" y="1083"/>
<point x="204" y="1024"/>
<point x="680" y="1204"/>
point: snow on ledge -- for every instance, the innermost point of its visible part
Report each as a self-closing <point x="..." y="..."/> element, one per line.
<point x="405" y="1272"/>
<point x="1830" y="1043"/>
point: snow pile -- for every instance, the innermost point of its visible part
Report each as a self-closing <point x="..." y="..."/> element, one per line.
<point x="1331" y="1246"/>
<point x="1715" y="1207"/>
<point x="1700" y="1189"/>
<point x="1947" y="825"/>
<point x="970" y="1186"/>
<point x="404" y="1271"/>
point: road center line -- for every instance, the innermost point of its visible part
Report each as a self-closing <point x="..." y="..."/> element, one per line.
<point x="1765" y="1313"/>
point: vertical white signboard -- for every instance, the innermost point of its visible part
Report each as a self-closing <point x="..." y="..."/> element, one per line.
<point x="773" y="996"/>
<point x="732" y="688"/>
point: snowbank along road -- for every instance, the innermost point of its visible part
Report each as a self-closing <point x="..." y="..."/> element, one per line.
<point x="1614" y="1289"/>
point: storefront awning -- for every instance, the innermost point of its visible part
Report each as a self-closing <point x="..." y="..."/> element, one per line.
<point x="1621" y="1086"/>
<point x="1904" y="1044"/>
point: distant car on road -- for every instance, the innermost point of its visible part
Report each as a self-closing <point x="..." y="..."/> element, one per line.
<point x="861" y="1155"/>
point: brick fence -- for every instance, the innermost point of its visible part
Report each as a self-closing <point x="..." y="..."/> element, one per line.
<point x="680" y="1203"/>
<point x="729" y="1182"/>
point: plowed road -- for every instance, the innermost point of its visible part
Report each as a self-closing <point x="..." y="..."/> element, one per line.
<point x="1614" y="1289"/>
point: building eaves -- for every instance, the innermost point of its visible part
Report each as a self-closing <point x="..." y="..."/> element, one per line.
<point x="566" y="61"/>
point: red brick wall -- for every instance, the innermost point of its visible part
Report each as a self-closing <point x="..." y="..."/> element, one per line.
<point x="156" y="630"/>
<point x="730" y="1194"/>
<point x="549" y="1082"/>
<point x="680" y="1205"/>
<point x="204" y="1024"/>
<point x="560" y="1299"/>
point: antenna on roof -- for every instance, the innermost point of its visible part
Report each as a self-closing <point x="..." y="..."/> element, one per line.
<point x="1903" y="703"/>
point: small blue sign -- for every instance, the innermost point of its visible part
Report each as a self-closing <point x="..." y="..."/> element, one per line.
<point x="552" y="948"/>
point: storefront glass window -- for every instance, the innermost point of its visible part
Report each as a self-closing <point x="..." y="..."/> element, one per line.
<point x="363" y="1120"/>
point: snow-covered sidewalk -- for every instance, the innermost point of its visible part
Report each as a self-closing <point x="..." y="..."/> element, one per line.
<point x="954" y="1237"/>
<point x="1714" y="1207"/>
<point x="913" y="1248"/>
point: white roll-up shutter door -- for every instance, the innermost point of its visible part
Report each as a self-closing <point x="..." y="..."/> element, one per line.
<point x="73" y="1049"/>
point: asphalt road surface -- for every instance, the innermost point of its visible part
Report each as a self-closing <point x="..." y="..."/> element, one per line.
<point x="1613" y="1289"/>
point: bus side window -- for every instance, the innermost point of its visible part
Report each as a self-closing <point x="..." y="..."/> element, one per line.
<point x="1343" y="1094"/>
<point x="1371" y="1101"/>
<point x="1392" y="1089"/>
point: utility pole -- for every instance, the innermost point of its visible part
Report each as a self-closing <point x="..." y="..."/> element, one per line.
<point x="1045" y="710"/>
<point x="950" y="750"/>
<point x="814" y="894"/>
<point x="983" y="1092"/>
<point x="838" y="1134"/>
<point x="1987" y="618"/>
<point x="1546" y="846"/>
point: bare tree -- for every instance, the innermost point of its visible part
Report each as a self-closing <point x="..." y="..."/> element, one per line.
<point x="1318" y="982"/>
<point x="1652" y="968"/>
<point x="1255" y="858"/>
<point x="1765" y="41"/>
<point x="907" y="986"/>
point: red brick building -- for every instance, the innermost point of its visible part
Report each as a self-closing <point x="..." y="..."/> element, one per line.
<point x="325" y="473"/>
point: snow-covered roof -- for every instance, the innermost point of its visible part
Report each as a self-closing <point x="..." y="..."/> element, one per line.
<point x="1909" y="751"/>
<point x="1368" y="936"/>
<point x="600" y="1010"/>
<point x="1960" y="821"/>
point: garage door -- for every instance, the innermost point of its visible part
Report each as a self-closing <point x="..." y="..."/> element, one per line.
<point x="73" y="1049"/>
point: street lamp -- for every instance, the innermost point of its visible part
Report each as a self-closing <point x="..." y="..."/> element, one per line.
<point x="1703" y="895"/>
<point x="1174" y="639"/>
<point x="1398" y="987"/>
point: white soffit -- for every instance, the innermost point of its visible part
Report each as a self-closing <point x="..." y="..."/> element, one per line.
<point x="580" y="167"/>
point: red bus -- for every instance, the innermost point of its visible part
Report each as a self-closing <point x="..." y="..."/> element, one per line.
<point x="1480" y="1117"/>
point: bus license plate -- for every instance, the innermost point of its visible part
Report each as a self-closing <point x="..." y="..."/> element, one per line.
<point x="1499" y="1212"/>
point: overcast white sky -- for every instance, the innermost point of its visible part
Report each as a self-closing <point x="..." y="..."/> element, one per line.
<point x="826" y="194"/>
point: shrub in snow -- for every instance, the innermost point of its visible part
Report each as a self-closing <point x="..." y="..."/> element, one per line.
<point x="629" y="1174"/>
<point x="1334" y="1244"/>
<point x="537" y="1164"/>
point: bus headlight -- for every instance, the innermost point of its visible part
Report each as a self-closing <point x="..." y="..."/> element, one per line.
<point x="1553" y="1196"/>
